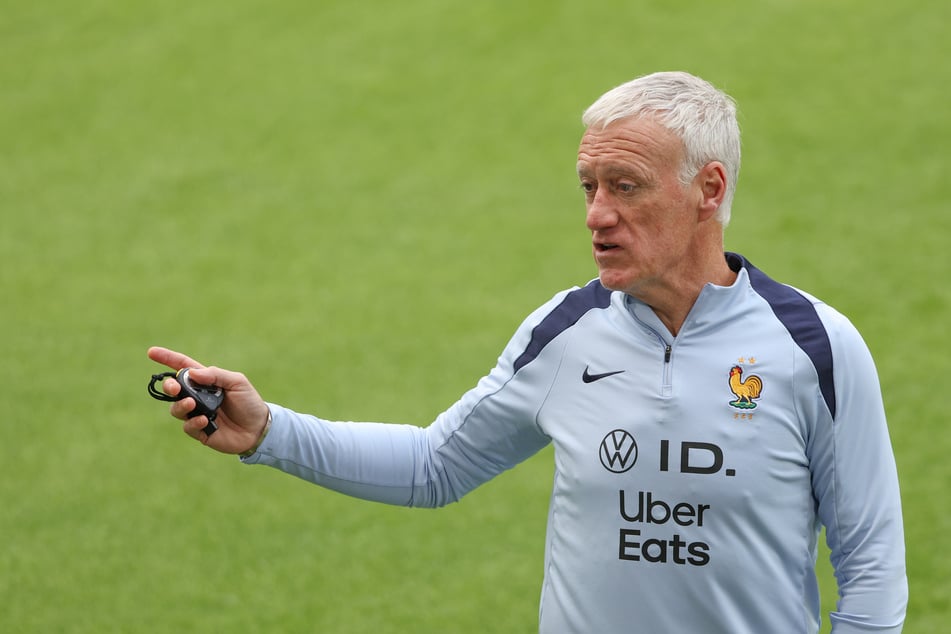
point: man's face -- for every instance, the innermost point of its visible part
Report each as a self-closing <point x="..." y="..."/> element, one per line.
<point x="641" y="218"/>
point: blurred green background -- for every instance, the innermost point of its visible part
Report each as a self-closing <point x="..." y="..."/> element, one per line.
<point x="356" y="204"/>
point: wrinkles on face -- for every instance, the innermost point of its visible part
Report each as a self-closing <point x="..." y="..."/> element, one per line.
<point x="636" y="206"/>
<point x="640" y="152"/>
<point x="651" y="234"/>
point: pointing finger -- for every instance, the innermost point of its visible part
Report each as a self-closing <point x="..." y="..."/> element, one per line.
<point x="172" y="359"/>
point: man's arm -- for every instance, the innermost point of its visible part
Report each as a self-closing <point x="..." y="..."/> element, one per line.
<point x="490" y="429"/>
<point x="856" y="484"/>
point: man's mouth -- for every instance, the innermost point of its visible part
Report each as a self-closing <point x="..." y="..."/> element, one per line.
<point x="604" y="246"/>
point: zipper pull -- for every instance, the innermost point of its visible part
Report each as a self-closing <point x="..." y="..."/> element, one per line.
<point x="667" y="351"/>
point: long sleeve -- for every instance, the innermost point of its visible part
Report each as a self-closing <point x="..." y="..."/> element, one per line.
<point x="490" y="429"/>
<point x="856" y="484"/>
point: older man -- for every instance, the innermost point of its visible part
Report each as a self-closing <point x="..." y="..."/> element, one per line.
<point x="707" y="420"/>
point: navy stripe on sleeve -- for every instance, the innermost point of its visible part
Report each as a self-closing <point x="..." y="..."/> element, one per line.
<point x="800" y="318"/>
<point x="564" y="316"/>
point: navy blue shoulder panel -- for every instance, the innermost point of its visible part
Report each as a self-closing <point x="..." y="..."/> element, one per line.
<point x="564" y="316"/>
<point x="800" y="318"/>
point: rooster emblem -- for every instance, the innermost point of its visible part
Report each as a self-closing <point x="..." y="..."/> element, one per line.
<point x="745" y="389"/>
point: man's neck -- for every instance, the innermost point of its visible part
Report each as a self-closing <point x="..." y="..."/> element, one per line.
<point x="673" y="300"/>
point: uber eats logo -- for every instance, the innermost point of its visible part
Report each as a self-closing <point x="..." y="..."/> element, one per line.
<point x="655" y="530"/>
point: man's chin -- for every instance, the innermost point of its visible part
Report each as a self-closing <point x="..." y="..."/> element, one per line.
<point x="611" y="281"/>
<point x="626" y="283"/>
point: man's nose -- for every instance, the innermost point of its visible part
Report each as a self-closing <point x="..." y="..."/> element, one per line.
<point x="601" y="213"/>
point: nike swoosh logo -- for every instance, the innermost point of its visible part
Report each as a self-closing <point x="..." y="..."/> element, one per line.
<point x="587" y="377"/>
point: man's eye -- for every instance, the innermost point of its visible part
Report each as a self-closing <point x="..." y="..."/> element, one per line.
<point x="625" y="188"/>
<point x="587" y="187"/>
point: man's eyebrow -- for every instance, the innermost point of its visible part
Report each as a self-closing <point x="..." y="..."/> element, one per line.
<point x="608" y="169"/>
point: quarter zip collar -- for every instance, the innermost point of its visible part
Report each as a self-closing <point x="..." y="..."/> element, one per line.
<point x="714" y="305"/>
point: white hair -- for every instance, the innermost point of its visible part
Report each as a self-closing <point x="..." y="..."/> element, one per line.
<point x="703" y="117"/>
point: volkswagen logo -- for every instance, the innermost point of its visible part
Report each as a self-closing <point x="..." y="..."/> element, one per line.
<point x="618" y="451"/>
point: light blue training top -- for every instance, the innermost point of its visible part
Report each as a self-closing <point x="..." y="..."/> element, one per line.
<point x="692" y="473"/>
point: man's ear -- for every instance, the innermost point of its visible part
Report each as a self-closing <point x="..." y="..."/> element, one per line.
<point x="712" y="181"/>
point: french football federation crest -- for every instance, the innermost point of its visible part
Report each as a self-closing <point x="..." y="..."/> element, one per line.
<point x="746" y="390"/>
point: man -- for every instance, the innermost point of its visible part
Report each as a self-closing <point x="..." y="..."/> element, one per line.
<point x="707" y="420"/>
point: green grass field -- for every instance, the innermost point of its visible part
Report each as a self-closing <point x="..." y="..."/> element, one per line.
<point x="356" y="204"/>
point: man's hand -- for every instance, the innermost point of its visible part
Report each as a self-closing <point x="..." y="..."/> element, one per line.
<point x="242" y="415"/>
